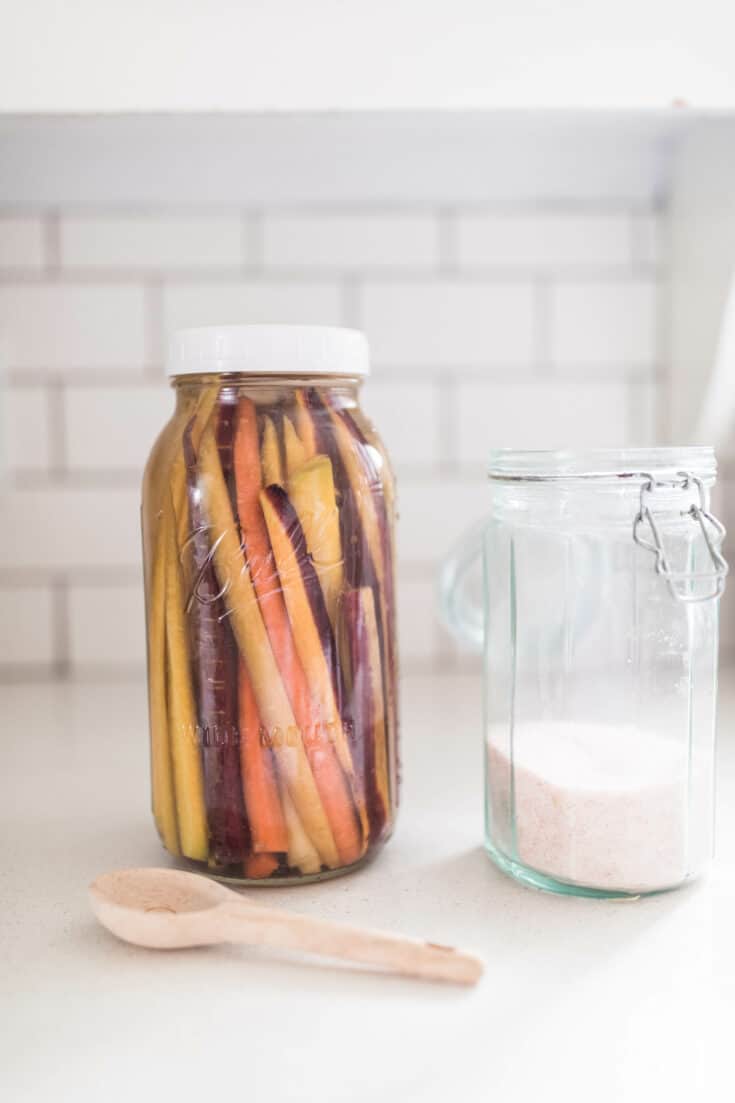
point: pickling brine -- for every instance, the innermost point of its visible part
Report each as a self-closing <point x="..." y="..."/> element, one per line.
<point x="268" y="506"/>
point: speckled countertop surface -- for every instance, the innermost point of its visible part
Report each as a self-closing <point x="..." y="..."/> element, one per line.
<point x="611" y="1001"/>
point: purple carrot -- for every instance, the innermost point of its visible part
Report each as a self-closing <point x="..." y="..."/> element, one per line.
<point x="367" y="712"/>
<point x="292" y="526"/>
<point x="215" y="669"/>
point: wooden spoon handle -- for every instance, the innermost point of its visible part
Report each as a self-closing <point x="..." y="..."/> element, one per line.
<point x="409" y="956"/>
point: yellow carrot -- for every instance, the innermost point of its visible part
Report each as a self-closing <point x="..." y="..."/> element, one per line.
<point x="271" y="455"/>
<point x="155" y="519"/>
<point x="164" y="803"/>
<point x="205" y="408"/>
<point x="311" y="490"/>
<point x="301" y="852"/>
<point x="305" y="425"/>
<point x="183" y="730"/>
<point x="296" y="454"/>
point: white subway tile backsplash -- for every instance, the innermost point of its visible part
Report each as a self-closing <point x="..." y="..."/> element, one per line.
<point x="406" y="416"/>
<point x="350" y="241"/>
<point x="113" y="428"/>
<point x="26" y="626"/>
<point x="434" y="513"/>
<point x="26" y="430"/>
<point x="106" y="627"/>
<point x="202" y="304"/>
<point x="448" y="323"/>
<point x="648" y="239"/>
<point x="418" y="625"/>
<point x="61" y="527"/>
<point x="544" y="241"/>
<point x="56" y="326"/>
<point x="21" y="242"/>
<point x="541" y="415"/>
<point x="153" y="241"/>
<point x="604" y="324"/>
<point x="646" y="401"/>
<point x="530" y="327"/>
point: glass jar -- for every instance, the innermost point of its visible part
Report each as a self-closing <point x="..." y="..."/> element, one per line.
<point x="602" y="574"/>
<point x="268" y="505"/>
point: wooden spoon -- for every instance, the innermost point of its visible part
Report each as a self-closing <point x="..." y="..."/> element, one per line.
<point x="166" y="909"/>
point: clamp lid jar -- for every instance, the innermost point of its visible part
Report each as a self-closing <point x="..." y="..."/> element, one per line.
<point x="602" y="575"/>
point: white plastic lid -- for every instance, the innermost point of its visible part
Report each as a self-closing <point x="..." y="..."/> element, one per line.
<point x="269" y="350"/>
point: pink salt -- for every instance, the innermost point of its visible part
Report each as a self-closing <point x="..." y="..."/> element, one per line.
<point x="599" y="805"/>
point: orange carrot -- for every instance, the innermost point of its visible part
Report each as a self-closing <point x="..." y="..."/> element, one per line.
<point x="331" y="782"/>
<point x="257" y="866"/>
<point x="260" y="788"/>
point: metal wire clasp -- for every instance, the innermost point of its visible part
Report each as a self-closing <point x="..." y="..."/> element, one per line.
<point x="712" y="530"/>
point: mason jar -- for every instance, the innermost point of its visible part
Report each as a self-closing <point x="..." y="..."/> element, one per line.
<point x="267" y="515"/>
<point x="602" y="578"/>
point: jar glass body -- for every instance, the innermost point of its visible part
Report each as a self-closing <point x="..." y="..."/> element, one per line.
<point x="267" y="517"/>
<point x="600" y="685"/>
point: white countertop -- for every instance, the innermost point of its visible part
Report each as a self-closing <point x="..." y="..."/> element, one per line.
<point x="582" y="999"/>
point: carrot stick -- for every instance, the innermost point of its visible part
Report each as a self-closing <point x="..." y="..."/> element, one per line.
<point x="260" y="788"/>
<point x="205" y="409"/>
<point x="314" y="645"/>
<point x="156" y="494"/>
<point x="271" y="455"/>
<point x="214" y="669"/>
<point x="164" y="800"/>
<point x="246" y="620"/>
<point x="317" y="425"/>
<point x="187" y="766"/>
<point x="312" y="494"/>
<point x="330" y="780"/>
<point x="358" y="610"/>
<point x="296" y="454"/>
<point x="305" y="425"/>
<point x="367" y="484"/>
<point x="302" y="854"/>
<point x="257" y="866"/>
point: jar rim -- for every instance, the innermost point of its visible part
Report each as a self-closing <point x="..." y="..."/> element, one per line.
<point x="539" y="465"/>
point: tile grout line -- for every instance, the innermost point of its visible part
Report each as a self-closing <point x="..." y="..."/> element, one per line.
<point x="61" y="627"/>
<point x="552" y="204"/>
<point x="351" y="300"/>
<point x="448" y="425"/>
<point x="469" y="275"/>
<point x="52" y="244"/>
<point x="447" y="234"/>
<point x="58" y="442"/>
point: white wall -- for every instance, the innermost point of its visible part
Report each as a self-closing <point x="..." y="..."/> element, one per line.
<point x="182" y="55"/>
<point x="701" y="276"/>
<point x="492" y="321"/>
